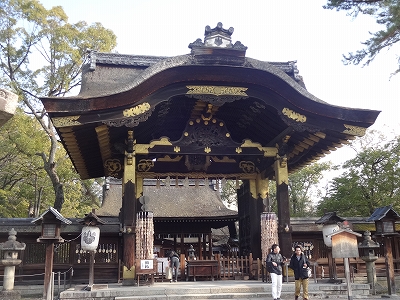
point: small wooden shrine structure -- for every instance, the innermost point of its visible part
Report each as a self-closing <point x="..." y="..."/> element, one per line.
<point x="183" y="215"/>
<point x="213" y="113"/>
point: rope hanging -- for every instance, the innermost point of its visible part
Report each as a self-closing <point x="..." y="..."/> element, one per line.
<point x="144" y="235"/>
<point x="269" y="233"/>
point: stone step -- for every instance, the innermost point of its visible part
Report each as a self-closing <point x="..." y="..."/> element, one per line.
<point x="200" y="296"/>
<point x="211" y="290"/>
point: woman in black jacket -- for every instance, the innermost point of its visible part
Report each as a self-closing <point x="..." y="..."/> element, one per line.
<point x="275" y="261"/>
<point x="300" y="264"/>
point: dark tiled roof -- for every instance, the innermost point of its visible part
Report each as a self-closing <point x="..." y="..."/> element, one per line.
<point x="110" y="73"/>
<point x="385" y="211"/>
<point x="172" y="202"/>
<point x="329" y="218"/>
<point x="186" y="202"/>
<point x="91" y="218"/>
<point x="53" y="212"/>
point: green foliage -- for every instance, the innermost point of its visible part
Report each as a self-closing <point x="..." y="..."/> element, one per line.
<point x="25" y="188"/>
<point x="21" y="170"/>
<point x="386" y="13"/>
<point x="229" y="192"/>
<point x="41" y="54"/>
<point x="303" y="190"/>
<point x="370" y="180"/>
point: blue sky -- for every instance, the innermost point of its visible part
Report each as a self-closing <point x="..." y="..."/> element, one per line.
<point x="282" y="30"/>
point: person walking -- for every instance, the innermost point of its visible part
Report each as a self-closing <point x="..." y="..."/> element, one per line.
<point x="275" y="261"/>
<point x="173" y="258"/>
<point x="300" y="264"/>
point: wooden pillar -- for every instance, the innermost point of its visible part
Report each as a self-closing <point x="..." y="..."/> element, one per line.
<point x="255" y="211"/>
<point x="282" y="196"/>
<point x="48" y="269"/>
<point x="200" y="252"/>
<point x="262" y="185"/>
<point x="129" y="209"/>
<point x="91" y="269"/>
<point x="389" y="266"/>
<point x="183" y="244"/>
<point x="396" y="252"/>
<point x="175" y="249"/>
<point x="210" y="253"/>
<point x="204" y="241"/>
<point x="331" y="267"/>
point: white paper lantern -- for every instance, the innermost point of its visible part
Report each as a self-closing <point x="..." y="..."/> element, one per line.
<point x="328" y="229"/>
<point x="90" y="238"/>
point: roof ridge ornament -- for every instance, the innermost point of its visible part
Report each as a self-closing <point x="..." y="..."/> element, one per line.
<point x="217" y="37"/>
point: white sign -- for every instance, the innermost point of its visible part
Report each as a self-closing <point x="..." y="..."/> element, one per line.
<point x="146" y="264"/>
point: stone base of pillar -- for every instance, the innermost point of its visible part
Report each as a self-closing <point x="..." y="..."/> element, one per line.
<point x="95" y="287"/>
<point x="10" y="295"/>
<point x="129" y="282"/>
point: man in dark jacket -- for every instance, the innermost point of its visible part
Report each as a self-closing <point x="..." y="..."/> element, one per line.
<point x="275" y="261"/>
<point x="300" y="264"/>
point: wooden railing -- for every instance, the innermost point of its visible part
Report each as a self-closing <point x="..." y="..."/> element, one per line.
<point x="235" y="267"/>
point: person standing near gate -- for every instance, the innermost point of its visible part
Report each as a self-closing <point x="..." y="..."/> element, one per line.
<point x="173" y="258"/>
<point x="300" y="264"/>
<point x="275" y="261"/>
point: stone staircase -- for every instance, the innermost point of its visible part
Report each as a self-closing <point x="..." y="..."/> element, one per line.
<point x="228" y="289"/>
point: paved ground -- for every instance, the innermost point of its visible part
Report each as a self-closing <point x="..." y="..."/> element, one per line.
<point x="286" y="297"/>
<point x="34" y="292"/>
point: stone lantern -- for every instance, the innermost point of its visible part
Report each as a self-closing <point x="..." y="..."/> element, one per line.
<point x="385" y="218"/>
<point x="191" y="253"/>
<point x="11" y="248"/>
<point x="367" y="251"/>
<point x="330" y="224"/>
<point x="51" y="221"/>
<point x="89" y="242"/>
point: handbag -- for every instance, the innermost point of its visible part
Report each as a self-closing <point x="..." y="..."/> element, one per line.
<point x="168" y="273"/>
<point x="309" y="272"/>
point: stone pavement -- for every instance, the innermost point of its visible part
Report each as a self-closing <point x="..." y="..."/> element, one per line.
<point x="221" y="289"/>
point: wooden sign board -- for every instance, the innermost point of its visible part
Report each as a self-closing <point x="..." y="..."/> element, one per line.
<point x="344" y="244"/>
<point x="146" y="266"/>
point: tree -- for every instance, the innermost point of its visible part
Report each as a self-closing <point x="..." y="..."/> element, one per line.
<point x="22" y="180"/>
<point x="229" y="189"/>
<point x="303" y="188"/>
<point x="41" y="54"/>
<point x="386" y="12"/>
<point x="25" y="187"/>
<point x="370" y="180"/>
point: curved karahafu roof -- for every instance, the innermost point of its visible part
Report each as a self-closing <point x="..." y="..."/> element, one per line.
<point x="211" y="113"/>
